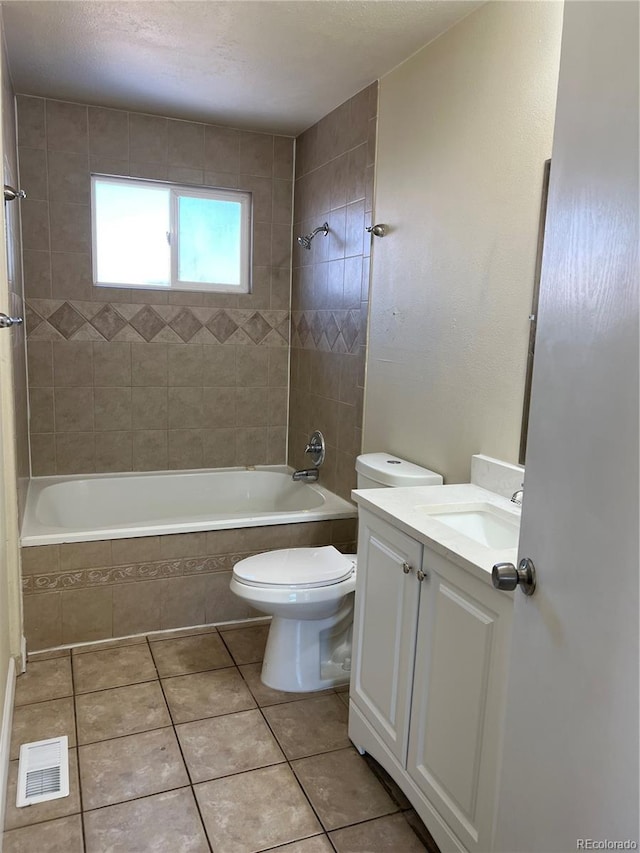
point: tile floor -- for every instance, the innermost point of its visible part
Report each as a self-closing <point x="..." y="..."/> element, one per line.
<point x="178" y="747"/>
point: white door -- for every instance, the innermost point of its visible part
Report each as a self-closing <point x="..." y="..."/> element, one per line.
<point x="570" y="767"/>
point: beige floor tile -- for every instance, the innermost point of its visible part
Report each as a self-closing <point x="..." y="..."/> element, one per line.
<point x="41" y="721"/>
<point x="309" y="726"/>
<point x="254" y="811"/>
<point x="246" y="644"/>
<point x="230" y="744"/>
<point x="108" y="644"/>
<point x="206" y="694"/>
<point x="385" y="835"/>
<point x="267" y="695"/>
<point x="190" y="654"/>
<point x="342" y="789"/>
<point x="317" y="844"/>
<point x="48" y="655"/>
<point x="39" y="812"/>
<point x="55" y="836"/>
<point x="164" y="823"/>
<point x="113" y="771"/>
<point x="419" y="829"/>
<point x="121" y="711"/>
<point x="46" y="679"/>
<point x="113" y="668"/>
<point x="344" y="698"/>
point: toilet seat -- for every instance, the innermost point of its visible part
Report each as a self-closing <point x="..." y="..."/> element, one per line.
<point x="299" y="568"/>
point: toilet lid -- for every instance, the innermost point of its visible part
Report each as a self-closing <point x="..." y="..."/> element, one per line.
<point x="300" y="567"/>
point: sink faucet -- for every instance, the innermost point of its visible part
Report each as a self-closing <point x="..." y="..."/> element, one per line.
<point x="517" y="496"/>
<point x="305" y="475"/>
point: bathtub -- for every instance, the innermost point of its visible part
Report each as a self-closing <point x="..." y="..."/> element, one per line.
<point x="85" y="508"/>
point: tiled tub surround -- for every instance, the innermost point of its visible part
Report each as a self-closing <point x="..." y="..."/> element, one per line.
<point x="86" y="591"/>
<point x="330" y="291"/>
<point x="133" y="379"/>
<point x="176" y="745"/>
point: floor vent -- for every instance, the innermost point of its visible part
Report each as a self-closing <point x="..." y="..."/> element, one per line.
<point x="43" y="772"/>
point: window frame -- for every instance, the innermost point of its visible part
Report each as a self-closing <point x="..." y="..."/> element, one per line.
<point x="176" y="191"/>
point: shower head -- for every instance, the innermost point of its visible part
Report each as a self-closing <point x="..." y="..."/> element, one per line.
<point x="305" y="240"/>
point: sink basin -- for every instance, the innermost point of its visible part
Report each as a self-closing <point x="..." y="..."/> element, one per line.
<point x="484" y="523"/>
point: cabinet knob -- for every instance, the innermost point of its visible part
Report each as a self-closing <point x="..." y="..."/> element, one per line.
<point x="506" y="576"/>
<point x="421" y="575"/>
<point x="406" y="568"/>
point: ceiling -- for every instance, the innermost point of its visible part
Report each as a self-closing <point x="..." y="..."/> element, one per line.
<point x="271" y="65"/>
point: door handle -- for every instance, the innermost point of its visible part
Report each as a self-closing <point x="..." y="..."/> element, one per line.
<point x="506" y="576"/>
<point x="5" y="321"/>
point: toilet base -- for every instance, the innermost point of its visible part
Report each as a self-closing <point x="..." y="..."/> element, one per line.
<point x="304" y="655"/>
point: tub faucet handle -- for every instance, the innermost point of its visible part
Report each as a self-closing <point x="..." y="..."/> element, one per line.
<point x="315" y="446"/>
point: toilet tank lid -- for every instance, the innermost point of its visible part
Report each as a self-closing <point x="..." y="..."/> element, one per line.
<point x="389" y="470"/>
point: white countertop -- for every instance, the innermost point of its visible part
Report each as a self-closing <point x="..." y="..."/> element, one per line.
<point x="402" y="507"/>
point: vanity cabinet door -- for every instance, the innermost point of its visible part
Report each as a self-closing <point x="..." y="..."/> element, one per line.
<point x="386" y="611"/>
<point x="459" y="680"/>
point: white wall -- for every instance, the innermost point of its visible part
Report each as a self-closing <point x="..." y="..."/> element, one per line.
<point x="465" y="126"/>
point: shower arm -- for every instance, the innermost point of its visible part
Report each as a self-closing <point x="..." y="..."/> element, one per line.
<point x="305" y="240"/>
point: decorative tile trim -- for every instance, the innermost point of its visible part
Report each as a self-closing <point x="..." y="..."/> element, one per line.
<point x="65" y="580"/>
<point x="64" y="320"/>
<point x="330" y="331"/>
<point x="111" y="575"/>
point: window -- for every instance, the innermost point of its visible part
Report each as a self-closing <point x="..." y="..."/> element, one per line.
<point x="158" y="235"/>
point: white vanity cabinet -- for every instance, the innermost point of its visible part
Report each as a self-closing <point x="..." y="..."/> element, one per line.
<point x="428" y="681"/>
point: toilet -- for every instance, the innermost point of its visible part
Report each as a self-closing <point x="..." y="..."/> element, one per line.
<point x="309" y="594"/>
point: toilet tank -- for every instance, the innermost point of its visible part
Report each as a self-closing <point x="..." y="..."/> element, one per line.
<point x="384" y="470"/>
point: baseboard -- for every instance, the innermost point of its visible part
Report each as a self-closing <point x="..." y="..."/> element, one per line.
<point x="5" y="739"/>
<point x="234" y="623"/>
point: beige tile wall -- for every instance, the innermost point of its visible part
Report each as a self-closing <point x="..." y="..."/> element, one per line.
<point x="86" y="591"/>
<point x="16" y="307"/>
<point x="123" y="379"/>
<point x="334" y="183"/>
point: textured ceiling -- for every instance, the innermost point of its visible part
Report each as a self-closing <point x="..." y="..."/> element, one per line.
<point x="272" y="65"/>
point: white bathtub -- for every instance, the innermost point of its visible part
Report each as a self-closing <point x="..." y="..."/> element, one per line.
<point x="83" y="508"/>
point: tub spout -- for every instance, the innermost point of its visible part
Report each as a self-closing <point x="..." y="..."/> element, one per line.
<point x="306" y="475"/>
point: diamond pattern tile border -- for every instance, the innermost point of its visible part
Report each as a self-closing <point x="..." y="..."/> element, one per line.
<point x="50" y="319"/>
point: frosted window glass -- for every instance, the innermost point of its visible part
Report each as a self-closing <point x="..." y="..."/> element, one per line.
<point x="209" y="235"/>
<point x="131" y="234"/>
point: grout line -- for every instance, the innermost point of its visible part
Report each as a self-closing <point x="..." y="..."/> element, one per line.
<point x="75" y="723"/>
<point x="292" y="771"/>
<point x="197" y="671"/>
<point x="184" y="760"/>
<point x="136" y="799"/>
<point x="130" y="734"/>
